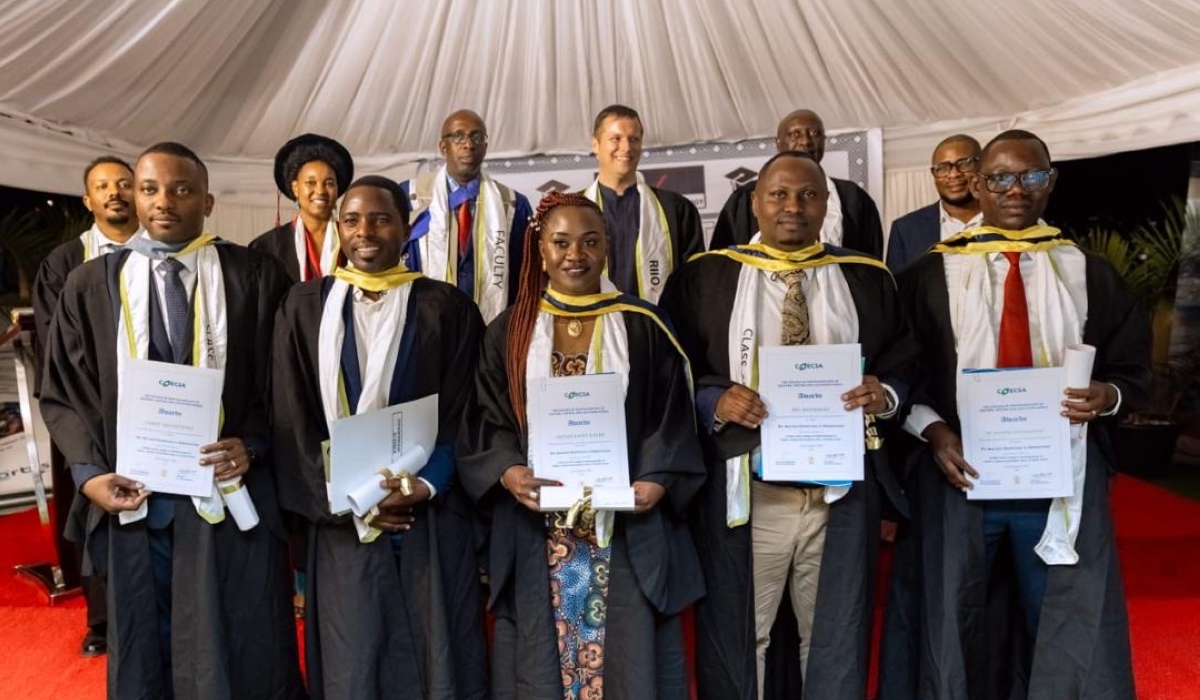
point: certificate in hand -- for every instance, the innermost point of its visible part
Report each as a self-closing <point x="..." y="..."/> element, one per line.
<point x="577" y="430"/>
<point x="808" y="434"/>
<point x="165" y="414"/>
<point x="1013" y="434"/>
<point x="362" y="445"/>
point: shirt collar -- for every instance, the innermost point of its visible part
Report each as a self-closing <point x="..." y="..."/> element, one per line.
<point x="188" y="261"/>
<point x="975" y="221"/>
<point x="454" y="184"/>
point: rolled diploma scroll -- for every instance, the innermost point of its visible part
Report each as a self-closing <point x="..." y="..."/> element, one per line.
<point x="237" y="500"/>
<point x="368" y="494"/>
<point x="1078" y="362"/>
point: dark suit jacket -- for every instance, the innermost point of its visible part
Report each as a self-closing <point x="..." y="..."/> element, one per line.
<point x="912" y="235"/>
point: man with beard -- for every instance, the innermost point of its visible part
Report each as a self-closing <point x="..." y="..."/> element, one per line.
<point x="1015" y="293"/>
<point x="394" y="605"/>
<point x="467" y="229"/>
<point x="954" y="160"/>
<point x="851" y="219"/>
<point x="652" y="232"/>
<point x="108" y="194"/>
<point x="819" y="540"/>
<point x="198" y="609"/>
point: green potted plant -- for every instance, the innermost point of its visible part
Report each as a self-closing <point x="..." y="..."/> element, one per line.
<point x="1150" y="260"/>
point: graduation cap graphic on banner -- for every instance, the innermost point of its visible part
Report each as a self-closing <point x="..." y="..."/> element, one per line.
<point x="740" y="176"/>
<point x="552" y="186"/>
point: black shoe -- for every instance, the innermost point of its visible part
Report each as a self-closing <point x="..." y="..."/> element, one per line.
<point x="93" y="644"/>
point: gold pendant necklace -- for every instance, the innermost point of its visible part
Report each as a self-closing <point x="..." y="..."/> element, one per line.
<point x="574" y="327"/>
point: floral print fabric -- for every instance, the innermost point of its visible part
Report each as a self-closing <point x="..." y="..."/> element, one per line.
<point x="579" y="571"/>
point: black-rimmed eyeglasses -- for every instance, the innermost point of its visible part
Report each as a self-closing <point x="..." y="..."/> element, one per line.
<point x="1031" y="180"/>
<point x="962" y="165"/>
<point x="476" y="137"/>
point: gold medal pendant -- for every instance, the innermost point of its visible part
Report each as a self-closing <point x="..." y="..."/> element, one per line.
<point x="574" y="327"/>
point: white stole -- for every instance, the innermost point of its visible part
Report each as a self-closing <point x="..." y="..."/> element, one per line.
<point x="1059" y="308"/>
<point x="210" y="339"/>
<point x="439" y="248"/>
<point x="653" y="259"/>
<point x="329" y="247"/>
<point x="376" y="373"/>
<point x="833" y="319"/>
<point x="608" y="353"/>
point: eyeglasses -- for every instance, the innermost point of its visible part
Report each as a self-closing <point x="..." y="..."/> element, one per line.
<point x="1031" y="180"/>
<point x="963" y="165"/>
<point x="814" y="134"/>
<point x="476" y="137"/>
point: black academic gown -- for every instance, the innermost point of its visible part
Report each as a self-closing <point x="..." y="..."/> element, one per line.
<point x="233" y="634"/>
<point x="700" y="301"/>
<point x="861" y="229"/>
<point x="51" y="278"/>
<point x="375" y="629"/>
<point x="684" y="229"/>
<point x="654" y="570"/>
<point x="949" y="636"/>
<point x="280" y="243"/>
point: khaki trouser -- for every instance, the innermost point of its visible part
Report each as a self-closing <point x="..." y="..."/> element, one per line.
<point x="788" y="538"/>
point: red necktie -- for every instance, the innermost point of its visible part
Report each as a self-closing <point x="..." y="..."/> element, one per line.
<point x="464" y="228"/>
<point x="1014" y="346"/>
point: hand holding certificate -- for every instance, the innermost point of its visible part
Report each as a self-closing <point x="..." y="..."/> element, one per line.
<point x="808" y="434"/>
<point x="577" y="438"/>
<point x="1013" y="434"/>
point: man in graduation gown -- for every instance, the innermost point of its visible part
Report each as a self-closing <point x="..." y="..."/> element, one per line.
<point x="954" y="160"/>
<point x="198" y="609"/>
<point x="108" y="195"/>
<point x="467" y="229"/>
<point x="312" y="171"/>
<point x="851" y="219"/>
<point x="652" y="232"/>
<point x="1014" y="294"/>
<point x="756" y="537"/>
<point x="394" y="604"/>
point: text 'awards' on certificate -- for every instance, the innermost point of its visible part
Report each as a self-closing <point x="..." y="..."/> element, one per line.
<point x="808" y="434"/>
<point x="577" y="430"/>
<point x="1013" y="433"/>
<point x="165" y="414"/>
<point x="362" y="446"/>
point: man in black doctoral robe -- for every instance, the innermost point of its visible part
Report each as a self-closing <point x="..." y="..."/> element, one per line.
<point x="397" y="616"/>
<point x="733" y="621"/>
<point x="1042" y="621"/>
<point x="858" y="228"/>
<point x="312" y="171"/>
<point x="652" y="232"/>
<point x="198" y="609"/>
<point x="108" y="183"/>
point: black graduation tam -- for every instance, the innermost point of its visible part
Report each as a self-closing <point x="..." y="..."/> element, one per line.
<point x="306" y="148"/>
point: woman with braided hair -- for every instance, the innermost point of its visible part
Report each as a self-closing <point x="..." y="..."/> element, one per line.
<point x="560" y="593"/>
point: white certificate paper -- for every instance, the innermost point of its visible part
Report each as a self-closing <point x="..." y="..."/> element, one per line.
<point x="1013" y="434"/>
<point x="165" y="414"/>
<point x="808" y="434"/>
<point x="577" y="430"/>
<point x="362" y="445"/>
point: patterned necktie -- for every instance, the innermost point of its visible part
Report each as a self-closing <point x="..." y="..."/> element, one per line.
<point x="464" y="228"/>
<point x="1014" y="347"/>
<point x="176" y="298"/>
<point x="795" y="310"/>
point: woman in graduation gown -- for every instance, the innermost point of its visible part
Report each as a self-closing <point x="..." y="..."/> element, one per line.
<point x="312" y="171"/>
<point x="560" y="591"/>
<point x="393" y="604"/>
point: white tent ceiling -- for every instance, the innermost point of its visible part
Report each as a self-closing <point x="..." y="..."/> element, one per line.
<point x="234" y="79"/>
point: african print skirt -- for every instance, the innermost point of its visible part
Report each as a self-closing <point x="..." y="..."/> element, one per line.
<point x="579" y="571"/>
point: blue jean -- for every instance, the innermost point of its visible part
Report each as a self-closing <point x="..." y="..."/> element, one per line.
<point x="1024" y="521"/>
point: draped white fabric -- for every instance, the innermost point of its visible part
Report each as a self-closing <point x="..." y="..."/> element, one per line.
<point x="234" y="79"/>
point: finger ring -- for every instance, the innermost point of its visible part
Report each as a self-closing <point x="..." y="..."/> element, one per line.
<point x="233" y="464"/>
<point x="1094" y="413"/>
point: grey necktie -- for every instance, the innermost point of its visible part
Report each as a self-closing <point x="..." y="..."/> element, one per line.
<point x="795" y="310"/>
<point x="176" y="298"/>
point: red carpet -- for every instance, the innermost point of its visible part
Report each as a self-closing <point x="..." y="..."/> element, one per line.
<point x="1158" y="535"/>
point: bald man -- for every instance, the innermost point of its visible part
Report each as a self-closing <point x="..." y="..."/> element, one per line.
<point x="467" y="229"/>
<point x="954" y="162"/>
<point x="851" y="221"/>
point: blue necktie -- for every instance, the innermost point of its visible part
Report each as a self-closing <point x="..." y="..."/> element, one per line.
<point x="177" y="309"/>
